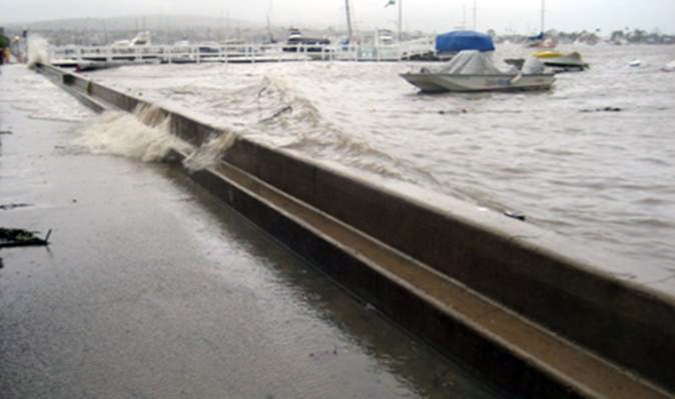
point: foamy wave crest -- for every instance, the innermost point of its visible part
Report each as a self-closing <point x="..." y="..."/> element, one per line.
<point x="267" y="110"/>
<point x="296" y="123"/>
<point x="210" y="152"/>
<point x="233" y="106"/>
<point x="38" y="50"/>
<point x="143" y="135"/>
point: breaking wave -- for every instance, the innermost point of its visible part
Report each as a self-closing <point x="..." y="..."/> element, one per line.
<point x="319" y="138"/>
<point x="143" y="135"/>
<point x="267" y="110"/>
<point x="38" y="50"/>
<point x="210" y="152"/>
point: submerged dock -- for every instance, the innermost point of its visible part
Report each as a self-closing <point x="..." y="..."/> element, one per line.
<point x="520" y="306"/>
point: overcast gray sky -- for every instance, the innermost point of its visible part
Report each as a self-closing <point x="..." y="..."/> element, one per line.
<point x="428" y="15"/>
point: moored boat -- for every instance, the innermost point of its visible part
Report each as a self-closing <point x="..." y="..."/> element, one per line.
<point x="557" y="61"/>
<point x="472" y="71"/>
<point x="562" y="62"/>
<point x="298" y="43"/>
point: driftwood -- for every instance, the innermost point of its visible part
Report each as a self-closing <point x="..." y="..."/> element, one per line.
<point x="7" y="207"/>
<point x="21" y="238"/>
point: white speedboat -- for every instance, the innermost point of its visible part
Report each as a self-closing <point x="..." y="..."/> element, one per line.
<point x="472" y="71"/>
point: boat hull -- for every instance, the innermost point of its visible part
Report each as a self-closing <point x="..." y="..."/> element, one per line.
<point x="562" y="62"/>
<point x="436" y="82"/>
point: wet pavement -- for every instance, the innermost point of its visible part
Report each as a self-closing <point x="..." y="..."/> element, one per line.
<point x="151" y="288"/>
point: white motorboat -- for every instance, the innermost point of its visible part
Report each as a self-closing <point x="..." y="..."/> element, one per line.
<point x="141" y="39"/>
<point x="298" y="43"/>
<point x="472" y="71"/>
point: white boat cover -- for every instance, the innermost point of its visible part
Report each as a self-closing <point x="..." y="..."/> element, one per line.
<point x="470" y="62"/>
<point x="533" y="65"/>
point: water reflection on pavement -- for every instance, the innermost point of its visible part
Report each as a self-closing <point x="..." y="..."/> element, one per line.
<point x="151" y="288"/>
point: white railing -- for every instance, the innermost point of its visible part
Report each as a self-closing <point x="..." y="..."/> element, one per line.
<point x="168" y="54"/>
<point x="225" y="53"/>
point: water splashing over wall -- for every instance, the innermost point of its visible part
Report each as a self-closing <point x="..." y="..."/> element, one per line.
<point x="38" y="50"/>
<point x="210" y="152"/>
<point x="143" y="135"/>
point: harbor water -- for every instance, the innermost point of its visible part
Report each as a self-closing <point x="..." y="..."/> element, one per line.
<point x="592" y="159"/>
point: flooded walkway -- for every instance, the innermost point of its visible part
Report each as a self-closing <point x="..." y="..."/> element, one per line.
<point x="151" y="288"/>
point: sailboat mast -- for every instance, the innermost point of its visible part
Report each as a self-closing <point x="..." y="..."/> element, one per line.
<point x="400" y="20"/>
<point x="543" y="14"/>
<point x="475" y="16"/>
<point x="349" y="20"/>
<point x="269" y="24"/>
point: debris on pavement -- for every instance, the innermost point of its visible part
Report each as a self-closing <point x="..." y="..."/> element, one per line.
<point x="21" y="238"/>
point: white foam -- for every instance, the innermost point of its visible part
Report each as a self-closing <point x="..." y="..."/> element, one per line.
<point x="209" y="153"/>
<point x="38" y="50"/>
<point x="123" y="134"/>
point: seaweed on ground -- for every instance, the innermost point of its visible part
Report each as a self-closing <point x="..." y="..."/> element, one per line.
<point x="21" y="237"/>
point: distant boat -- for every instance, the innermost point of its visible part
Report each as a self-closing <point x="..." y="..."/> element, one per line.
<point x="141" y="39"/>
<point x="635" y="63"/>
<point x="129" y="49"/>
<point x="296" y="42"/>
<point x="180" y="53"/>
<point x="670" y="67"/>
<point x="540" y="40"/>
<point x="472" y="71"/>
<point x="121" y="43"/>
<point x="208" y="48"/>
<point x="562" y="62"/>
<point x="555" y="60"/>
<point x="543" y="43"/>
<point x="384" y="37"/>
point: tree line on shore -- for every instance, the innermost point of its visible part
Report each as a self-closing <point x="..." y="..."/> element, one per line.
<point x="636" y="36"/>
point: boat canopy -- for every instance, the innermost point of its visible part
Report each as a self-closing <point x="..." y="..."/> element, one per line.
<point x="471" y="62"/>
<point x="453" y="42"/>
<point x="539" y="36"/>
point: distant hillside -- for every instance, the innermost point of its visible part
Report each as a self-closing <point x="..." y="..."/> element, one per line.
<point x="148" y="22"/>
<point x="164" y="29"/>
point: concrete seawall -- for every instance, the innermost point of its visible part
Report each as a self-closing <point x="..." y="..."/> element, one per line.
<point x="540" y="323"/>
